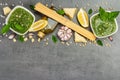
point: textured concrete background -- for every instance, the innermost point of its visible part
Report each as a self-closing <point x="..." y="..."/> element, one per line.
<point x="33" y="61"/>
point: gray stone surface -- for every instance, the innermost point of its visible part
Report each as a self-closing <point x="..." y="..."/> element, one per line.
<point x="34" y="61"/>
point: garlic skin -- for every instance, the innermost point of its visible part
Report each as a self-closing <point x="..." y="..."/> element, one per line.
<point x="64" y="33"/>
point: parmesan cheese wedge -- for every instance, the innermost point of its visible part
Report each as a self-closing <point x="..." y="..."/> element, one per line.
<point x="79" y="38"/>
<point x="70" y="12"/>
<point x="6" y="10"/>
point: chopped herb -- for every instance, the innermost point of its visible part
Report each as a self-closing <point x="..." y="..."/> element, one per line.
<point x="90" y="11"/>
<point x="107" y="16"/>
<point x="5" y="29"/>
<point x="21" y="38"/>
<point x="54" y="38"/>
<point x="99" y="42"/>
<point x="60" y="11"/>
<point x="32" y="7"/>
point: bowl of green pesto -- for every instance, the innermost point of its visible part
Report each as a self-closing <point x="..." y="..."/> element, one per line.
<point x="20" y="20"/>
<point x="104" y="23"/>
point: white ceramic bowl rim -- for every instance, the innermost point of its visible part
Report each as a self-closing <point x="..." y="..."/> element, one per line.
<point x="13" y="11"/>
<point x="106" y="35"/>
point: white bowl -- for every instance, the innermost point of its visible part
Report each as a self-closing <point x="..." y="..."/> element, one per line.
<point x="106" y="35"/>
<point x="13" y="11"/>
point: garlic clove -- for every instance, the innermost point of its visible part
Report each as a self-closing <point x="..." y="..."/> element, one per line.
<point x="11" y="36"/>
<point x="69" y="31"/>
<point x="66" y="28"/>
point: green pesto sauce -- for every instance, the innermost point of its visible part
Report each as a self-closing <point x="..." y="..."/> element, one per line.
<point x="102" y="28"/>
<point x="21" y="19"/>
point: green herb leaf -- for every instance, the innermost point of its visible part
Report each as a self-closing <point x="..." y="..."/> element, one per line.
<point x="32" y="7"/>
<point x="113" y="15"/>
<point x="90" y="11"/>
<point x="21" y="38"/>
<point x="5" y="29"/>
<point x="60" y="11"/>
<point x="101" y="11"/>
<point x="19" y="27"/>
<point x="107" y="16"/>
<point x="99" y="42"/>
<point x="54" y="38"/>
<point x="103" y="14"/>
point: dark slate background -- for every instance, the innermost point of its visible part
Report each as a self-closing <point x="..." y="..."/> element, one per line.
<point x="34" y="61"/>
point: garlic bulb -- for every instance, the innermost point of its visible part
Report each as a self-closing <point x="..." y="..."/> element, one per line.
<point x="64" y="33"/>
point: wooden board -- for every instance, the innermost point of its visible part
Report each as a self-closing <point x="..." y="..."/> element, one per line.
<point x="52" y="14"/>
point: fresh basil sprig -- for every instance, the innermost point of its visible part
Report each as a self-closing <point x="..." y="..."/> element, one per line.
<point x="5" y="29"/>
<point x="107" y="16"/>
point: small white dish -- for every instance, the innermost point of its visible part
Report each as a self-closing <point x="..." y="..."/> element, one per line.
<point x="7" y="19"/>
<point x="106" y="35"/>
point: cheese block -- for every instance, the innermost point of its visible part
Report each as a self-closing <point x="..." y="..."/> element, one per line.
<point x="70" y="12"/>
<point x="50" y="27"/>
<point x="6" y="10"/>
<point x="79" y="38"/>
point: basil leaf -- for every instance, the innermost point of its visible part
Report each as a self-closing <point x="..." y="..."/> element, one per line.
<point x="103" y="14"/>
<point x="90" y="11"/>
<point x="32" y="7"/>
<point x="101" y="11"/>
<point x="19" y="27"/>
<point x="99" y="42"/>
<point x="113" y="15"/>
<point x="5" y="29"/>
<point x="21" y="38"/>
<point x="54" y="38"/>
<point x="60" y="11"/>
<point x="107" y="16"/>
